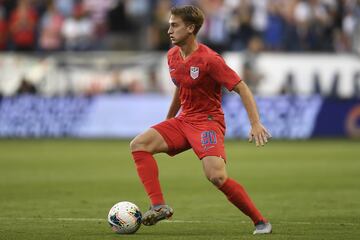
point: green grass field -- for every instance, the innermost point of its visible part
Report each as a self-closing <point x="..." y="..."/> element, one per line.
<point x="63" y="189"/>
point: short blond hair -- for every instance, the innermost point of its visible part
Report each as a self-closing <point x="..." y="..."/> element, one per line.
<point x="190" y="15"/>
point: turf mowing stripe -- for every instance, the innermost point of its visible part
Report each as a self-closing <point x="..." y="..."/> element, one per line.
<point x="167" y="221"/>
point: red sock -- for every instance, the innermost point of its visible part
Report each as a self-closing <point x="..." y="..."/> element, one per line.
<point x="238" y="196"/>
<point x="149" y="174"/>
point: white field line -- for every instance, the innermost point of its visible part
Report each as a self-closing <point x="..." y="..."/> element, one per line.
<point x="167" y="221"/>
<point x="54" y="219"/>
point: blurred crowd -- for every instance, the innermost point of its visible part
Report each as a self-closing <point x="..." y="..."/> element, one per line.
<point x="273" y="25"/>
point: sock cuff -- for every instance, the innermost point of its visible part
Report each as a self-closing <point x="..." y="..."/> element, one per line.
<point x="227" y="184"/>
<point x="141" y="156"/>
<point x="140" y="152"/>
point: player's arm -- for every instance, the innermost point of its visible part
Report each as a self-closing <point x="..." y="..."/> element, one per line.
<point x="258" y="132"/>
<point x="175" y="105"/>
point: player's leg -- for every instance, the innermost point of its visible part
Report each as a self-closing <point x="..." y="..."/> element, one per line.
<point x="142" y="148"/>
<point x="163" y="137"/>
<point x="215" y="171"/>
<point x="150" y="141"/>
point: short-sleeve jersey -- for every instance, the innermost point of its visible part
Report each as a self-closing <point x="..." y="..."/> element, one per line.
<point x="200" y="78"/>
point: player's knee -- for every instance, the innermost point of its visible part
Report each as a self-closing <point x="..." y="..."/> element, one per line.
<point x="133" y="145"/>
<point x="137" y="144"/>
<point x="217" y="179"/>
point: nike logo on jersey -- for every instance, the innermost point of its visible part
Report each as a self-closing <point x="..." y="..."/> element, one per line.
<point x="171" y="69"/>
<point x="208" y="147"/>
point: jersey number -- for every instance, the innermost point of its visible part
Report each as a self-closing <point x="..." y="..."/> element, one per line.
<point x="208" y="137"/>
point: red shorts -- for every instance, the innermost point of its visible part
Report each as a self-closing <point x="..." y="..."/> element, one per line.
<point x="205" y="138"/>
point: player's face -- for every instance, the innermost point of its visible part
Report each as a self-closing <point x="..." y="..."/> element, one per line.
<point x="179" y="31"/>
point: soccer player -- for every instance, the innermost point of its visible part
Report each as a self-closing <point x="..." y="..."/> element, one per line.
<point x="198" y="73"/>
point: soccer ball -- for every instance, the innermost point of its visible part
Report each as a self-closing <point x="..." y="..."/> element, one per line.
<point x="124" y="218"/>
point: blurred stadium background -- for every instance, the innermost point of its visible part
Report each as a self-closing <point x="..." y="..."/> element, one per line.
<point x="78" y="68"/>
<point x="85" y="69"/>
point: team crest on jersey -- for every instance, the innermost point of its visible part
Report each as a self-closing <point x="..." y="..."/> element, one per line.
<point x="194" y="72"/>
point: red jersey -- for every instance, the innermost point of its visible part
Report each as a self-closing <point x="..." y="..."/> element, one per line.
<point x="199" y="78"/>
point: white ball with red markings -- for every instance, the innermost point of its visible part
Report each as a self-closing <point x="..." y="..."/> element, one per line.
<point x="124" y="218"/>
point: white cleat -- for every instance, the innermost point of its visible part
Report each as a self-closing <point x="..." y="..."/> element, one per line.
<point x="263" y="228"/>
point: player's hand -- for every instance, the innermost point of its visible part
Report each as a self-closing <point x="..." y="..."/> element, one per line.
<point x="260" y="134"/>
